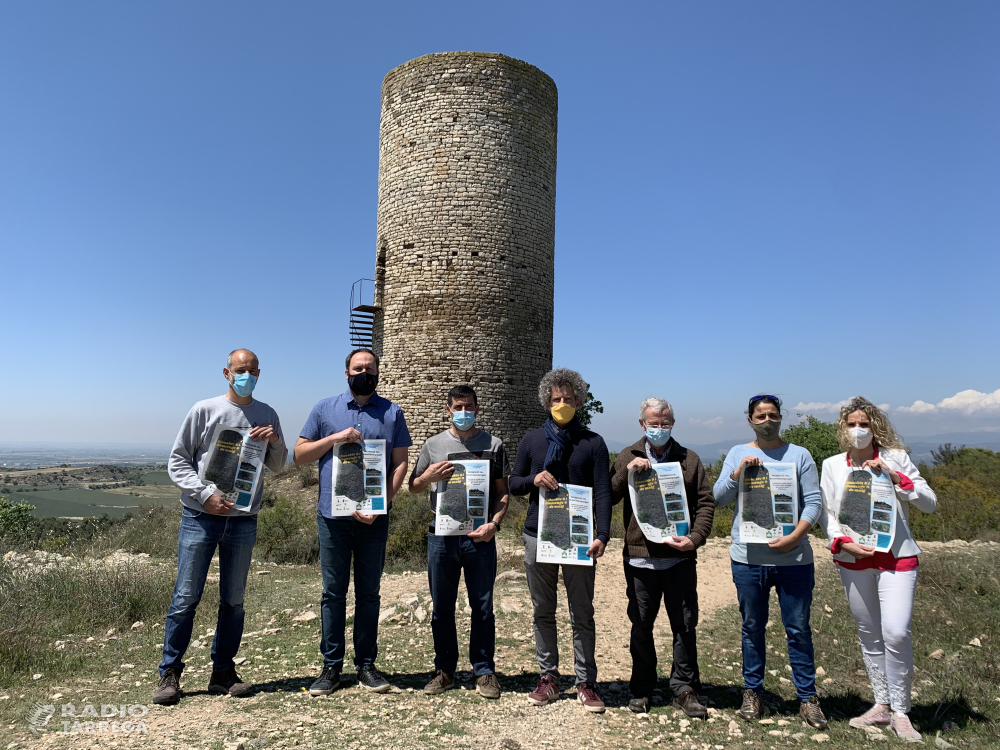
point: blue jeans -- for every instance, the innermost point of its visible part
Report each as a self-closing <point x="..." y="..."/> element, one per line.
<point x="200" y="534"/>
<point x="340" y="539"/>
<point x="794" y="584"/>
<point x="447" y="557"/>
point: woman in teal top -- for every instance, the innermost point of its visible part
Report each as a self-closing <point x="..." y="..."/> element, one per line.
<point x="784" y="564"/>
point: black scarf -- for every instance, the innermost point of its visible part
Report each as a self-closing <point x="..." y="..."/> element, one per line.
<point x="559" y="439"/>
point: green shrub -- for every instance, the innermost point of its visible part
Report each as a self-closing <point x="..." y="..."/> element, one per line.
<point x="409" y="521"/>
<point x="286" y="533"/>
<point x="816" y="436"/>
<point x="967" y="484"/>
<point x="16" y="520"/>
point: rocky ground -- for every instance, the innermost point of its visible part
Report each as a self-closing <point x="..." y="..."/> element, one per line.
<point x="279" y="655"/>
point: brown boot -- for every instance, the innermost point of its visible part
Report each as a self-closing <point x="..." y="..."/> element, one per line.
<point x="168" y="692"/>
<point x="439" y="683"/>
<point x="689" y="704"/>
<point x="227" y="682"/>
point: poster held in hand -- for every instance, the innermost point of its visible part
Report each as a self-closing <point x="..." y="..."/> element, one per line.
<point x="463" y="499"/>
<point x="565" y="525"/>
<point x="358" y="478"/>
<point x="235" y="465"/>
<point x="867" y="511"/>
<point x="768" y="503"/>
<point x="659" y="501"/>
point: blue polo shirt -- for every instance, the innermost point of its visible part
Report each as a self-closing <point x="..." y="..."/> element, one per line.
<point x="379" y="419"/>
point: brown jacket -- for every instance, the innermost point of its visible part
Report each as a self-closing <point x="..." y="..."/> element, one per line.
<point x="701" y="504"/>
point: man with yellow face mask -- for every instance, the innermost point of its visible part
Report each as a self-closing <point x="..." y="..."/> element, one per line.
<point x="563" y="451"/>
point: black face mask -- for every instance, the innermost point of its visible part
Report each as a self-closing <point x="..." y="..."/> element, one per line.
<point x="362" y="383"/>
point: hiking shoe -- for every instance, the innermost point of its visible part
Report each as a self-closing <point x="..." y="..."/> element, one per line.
<point x="439" y="683"/>
<point x="488" y="686"/>
<point x="586" y="693"/>
<point x="227" y="682"/>
<point x="371" y="679"/>
<point x="327" y="682"/>
<point x="168" y="692"/>
<point x="901" y="725"/>
<point x="639" y="705"/>
<point x="873" y="717"/>
<point x="753" y="707"/>
<point x="546" y="691"/>
<point x="689" y="704"/>
<point x="812" y="714"/>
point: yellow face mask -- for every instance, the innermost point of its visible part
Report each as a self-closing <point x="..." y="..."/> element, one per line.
<point x="562" y="414"/>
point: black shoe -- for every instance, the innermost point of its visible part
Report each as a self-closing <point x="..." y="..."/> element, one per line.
<point x="371" y="679"/>
<point x="168" y="692"/>
<point x="639" y="705"/>
<point x="327" y="682"/>
<point x="227" y="682"/>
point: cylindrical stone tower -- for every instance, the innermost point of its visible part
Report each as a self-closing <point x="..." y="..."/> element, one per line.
<point x="466" y="237"/>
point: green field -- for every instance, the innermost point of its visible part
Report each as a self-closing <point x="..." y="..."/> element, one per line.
<point x="77" y="502"/>
<point x="157" y="478"/>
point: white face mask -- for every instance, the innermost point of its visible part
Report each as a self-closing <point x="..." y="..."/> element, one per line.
<point x="859" y="437"/>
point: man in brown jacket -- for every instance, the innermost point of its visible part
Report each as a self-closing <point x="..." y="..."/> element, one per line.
<point x="666" y="570"/>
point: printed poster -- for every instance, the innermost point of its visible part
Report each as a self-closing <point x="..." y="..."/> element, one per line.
<point x="565" y="525"/>
<point x="358" y="478"/>
<point x="463" y="499"/>
<point x="659" y="501"/>
<point x="768" y="502"/>
<point x="236" y="464"/>
<point x="867" y="511"/>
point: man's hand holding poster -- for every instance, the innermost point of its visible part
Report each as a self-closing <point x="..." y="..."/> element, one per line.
<point x="463" y="499"/>
<point x="659" y="501"/>
<point x="236" y="465"/>
<point x="565" y="525"/>
<point x="359" y="478"/>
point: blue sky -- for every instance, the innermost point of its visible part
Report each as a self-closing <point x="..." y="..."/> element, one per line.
<point x="796" y="198"/>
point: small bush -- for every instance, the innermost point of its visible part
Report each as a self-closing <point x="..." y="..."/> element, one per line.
<point x="286" y="533"/>
<point x="409" y="521"/>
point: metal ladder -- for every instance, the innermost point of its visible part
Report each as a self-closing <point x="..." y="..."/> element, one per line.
<point x="362" y="318"/>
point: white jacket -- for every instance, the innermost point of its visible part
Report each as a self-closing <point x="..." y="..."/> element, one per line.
<point x="835" y="471"/>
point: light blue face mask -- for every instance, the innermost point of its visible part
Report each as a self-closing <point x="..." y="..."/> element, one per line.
<point x="244" y="384"/>
<point x="463" y="420"/>
<point x="657" y="436"/>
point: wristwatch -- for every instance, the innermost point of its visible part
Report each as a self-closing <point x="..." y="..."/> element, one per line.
<point x="494" y="523"/>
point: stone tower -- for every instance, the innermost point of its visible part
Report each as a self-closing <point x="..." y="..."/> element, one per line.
<point x="466" y="233"/>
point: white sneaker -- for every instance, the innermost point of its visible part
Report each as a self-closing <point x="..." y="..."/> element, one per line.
<point x="873" y="717"/>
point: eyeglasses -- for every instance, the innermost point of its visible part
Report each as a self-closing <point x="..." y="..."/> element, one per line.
<point x="763" y="395"/>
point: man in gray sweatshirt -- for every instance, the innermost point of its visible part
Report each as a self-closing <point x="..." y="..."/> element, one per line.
<point x="217" y="467"/>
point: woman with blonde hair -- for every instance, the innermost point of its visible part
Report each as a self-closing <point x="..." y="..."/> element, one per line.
<point x="880" y="586"/>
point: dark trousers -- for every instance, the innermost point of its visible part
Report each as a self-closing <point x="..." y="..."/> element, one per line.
<point x="447" y="557"/>
<point x="340" y="540"/>
<point x="678" y="588"/>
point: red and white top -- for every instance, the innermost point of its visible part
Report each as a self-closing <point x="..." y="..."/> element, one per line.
<point x="912" y="489"/>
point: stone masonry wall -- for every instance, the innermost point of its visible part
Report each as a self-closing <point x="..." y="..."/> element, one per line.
<point x="466" y="234"/>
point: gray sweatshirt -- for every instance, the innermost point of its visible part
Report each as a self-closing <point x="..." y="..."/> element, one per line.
<point x="190" y="451"/>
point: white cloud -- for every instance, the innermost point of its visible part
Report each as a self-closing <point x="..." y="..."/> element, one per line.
<point x="818" y="406"/>
<point x="969" y="402"/>
<point x="826" y="406"/>
<point x="710" y="423"/>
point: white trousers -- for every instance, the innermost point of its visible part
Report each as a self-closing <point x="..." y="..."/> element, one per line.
<point x="882" y="604"/>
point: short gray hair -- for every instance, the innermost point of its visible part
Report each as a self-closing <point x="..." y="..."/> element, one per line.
<point x="656" y="404"/>
<point x="562" y="378"/>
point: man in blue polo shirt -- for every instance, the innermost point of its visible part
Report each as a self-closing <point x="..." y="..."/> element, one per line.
<point x="354" y="416"/>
